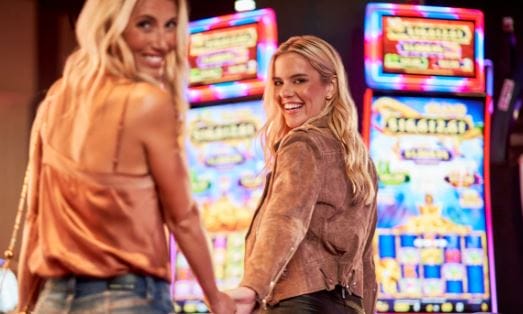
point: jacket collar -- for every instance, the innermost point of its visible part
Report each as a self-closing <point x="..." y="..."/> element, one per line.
<point x="321" y="122"/>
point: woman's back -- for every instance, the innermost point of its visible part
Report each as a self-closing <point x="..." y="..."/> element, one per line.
<point x="106" y="170"/>
<point x="100" y="210"/>
<point x="100" y="137"/>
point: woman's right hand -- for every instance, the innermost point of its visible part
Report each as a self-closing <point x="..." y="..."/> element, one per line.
<point x="222" y="304"/>
<point x="245" y="299"/>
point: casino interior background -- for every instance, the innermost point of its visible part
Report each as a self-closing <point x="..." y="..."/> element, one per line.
<point x="37" y="36"/>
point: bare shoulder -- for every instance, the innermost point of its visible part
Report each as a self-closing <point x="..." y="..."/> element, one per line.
<point x="55" y="86"/>
<point x="50" y="94"/>
<point x="149" y="107"/>
<point x="52" y="91"/>
<point x="150" y="98"/>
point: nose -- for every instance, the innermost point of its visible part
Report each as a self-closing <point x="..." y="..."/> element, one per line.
<point x="286" y="91"/>
<point x="161" y="41"/>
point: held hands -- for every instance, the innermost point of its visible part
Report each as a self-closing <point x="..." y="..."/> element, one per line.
<point x="245" y="299"/>
<point x="222" y="304"/>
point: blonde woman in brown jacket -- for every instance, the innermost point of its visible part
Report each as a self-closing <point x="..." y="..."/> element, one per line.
<point x="309" y="246"/>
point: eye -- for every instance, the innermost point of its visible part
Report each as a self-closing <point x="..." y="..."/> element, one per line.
<point x="299" y="80"/>
<point x="171" y="24"/>
<point x="277" y="82"/>
<point x="144" y="24"/>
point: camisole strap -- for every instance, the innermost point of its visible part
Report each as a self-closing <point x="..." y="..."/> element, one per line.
<point x="64" y="165"/>
<point x="120" y="130"/>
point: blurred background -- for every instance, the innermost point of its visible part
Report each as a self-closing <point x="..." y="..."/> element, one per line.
<point x="37" y="35"/>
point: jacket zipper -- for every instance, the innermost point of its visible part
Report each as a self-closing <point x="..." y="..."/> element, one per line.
<point x="279" y="273"/>
<point x="277" y="277"/>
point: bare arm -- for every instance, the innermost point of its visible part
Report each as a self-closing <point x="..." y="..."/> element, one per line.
<point x="169" y="169"/>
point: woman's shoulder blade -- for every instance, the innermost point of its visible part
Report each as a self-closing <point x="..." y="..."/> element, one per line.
<point x="147" y="98"/>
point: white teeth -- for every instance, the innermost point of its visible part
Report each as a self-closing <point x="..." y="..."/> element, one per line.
<point x="154" y="60"/>
<point x="291" y="106"/>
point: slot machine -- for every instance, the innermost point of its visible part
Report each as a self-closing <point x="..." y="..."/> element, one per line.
<point x="426" y="122"/>
<point x="228" y="58"/>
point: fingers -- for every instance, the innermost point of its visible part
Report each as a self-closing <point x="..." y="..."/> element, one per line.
<point x="224" y="305"/>
<point x="243" y="308"/>
<point x="242" y="295"/>
<point x="245" y="299"/>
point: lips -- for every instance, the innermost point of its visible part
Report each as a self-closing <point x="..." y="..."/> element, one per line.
<point x="292" y="106"/>
<point x="153" y="61"/>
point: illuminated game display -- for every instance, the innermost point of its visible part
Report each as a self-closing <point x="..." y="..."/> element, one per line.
<point x="424" y="48"/>
<point x="411" y="46"/>
<point x="225" y="163"/>
<point x="229" y="55"/>
<point x="426" y="123"/>
<point x="432" y="237"/>
<point x="228" y="60"/>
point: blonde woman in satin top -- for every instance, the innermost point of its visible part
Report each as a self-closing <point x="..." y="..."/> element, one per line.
<point x="108" y="171"/>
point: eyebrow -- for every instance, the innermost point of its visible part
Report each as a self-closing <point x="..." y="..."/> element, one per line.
<point x="144" y="16"/>
<point x="150" y="17"/>
<point x="294" y="76"/>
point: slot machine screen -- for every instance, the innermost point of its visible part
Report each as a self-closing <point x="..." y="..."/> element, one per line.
<point x="432" y="233"/>
<point x="226" y="162"/>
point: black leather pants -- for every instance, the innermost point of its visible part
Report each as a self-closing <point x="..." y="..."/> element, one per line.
<point x="336" y="301"/>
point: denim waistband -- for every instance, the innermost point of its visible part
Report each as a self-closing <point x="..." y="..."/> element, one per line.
<point x="83" y="286"/>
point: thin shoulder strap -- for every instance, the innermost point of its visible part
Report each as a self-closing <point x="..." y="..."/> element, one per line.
<point x="9" y="253"/>
<point x="22" y="201"/>
<point x="120" y="130"/>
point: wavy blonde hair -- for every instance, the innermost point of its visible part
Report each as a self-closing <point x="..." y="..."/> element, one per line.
<point x="342" y="113"/>
<point x="102" y="50"/>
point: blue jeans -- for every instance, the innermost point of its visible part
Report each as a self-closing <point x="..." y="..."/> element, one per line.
<point x="123" y="294"/>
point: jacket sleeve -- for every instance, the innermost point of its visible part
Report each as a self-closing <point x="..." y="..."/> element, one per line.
<point x="290" y="203"/>
<point x="370" y="287"/>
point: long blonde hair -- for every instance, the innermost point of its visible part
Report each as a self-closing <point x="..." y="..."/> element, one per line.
<point x="341" y="110"/>
<point x="102" y="50"/>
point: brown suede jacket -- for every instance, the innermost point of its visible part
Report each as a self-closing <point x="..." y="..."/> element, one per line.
<point x="306" y="235"/>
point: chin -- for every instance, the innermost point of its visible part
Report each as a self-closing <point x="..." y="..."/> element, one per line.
<point x="293" y="125"/>
<point x="154" y="74"/>
<point x="294" y="122"/>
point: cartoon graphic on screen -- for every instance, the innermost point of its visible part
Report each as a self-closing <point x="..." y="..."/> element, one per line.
<point x="430" y="220"/>
<point x="388" y="274"/>
<point x="223" y="215"/>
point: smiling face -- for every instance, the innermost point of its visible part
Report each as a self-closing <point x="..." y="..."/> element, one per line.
<point x="298" y="89"/>
<point x="151" y="35"/>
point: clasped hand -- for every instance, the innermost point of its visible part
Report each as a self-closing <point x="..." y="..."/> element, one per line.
<point x="245" y="299"/>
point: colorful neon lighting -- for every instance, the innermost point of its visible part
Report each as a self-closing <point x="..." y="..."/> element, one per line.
<point x="225" y="162"/>
<point x="265" y="23"/>
<point x="376" y="75"/>
<point x="489" y="73"/>
<point x="372" y="135"/>
<point x="469" y="275"/>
